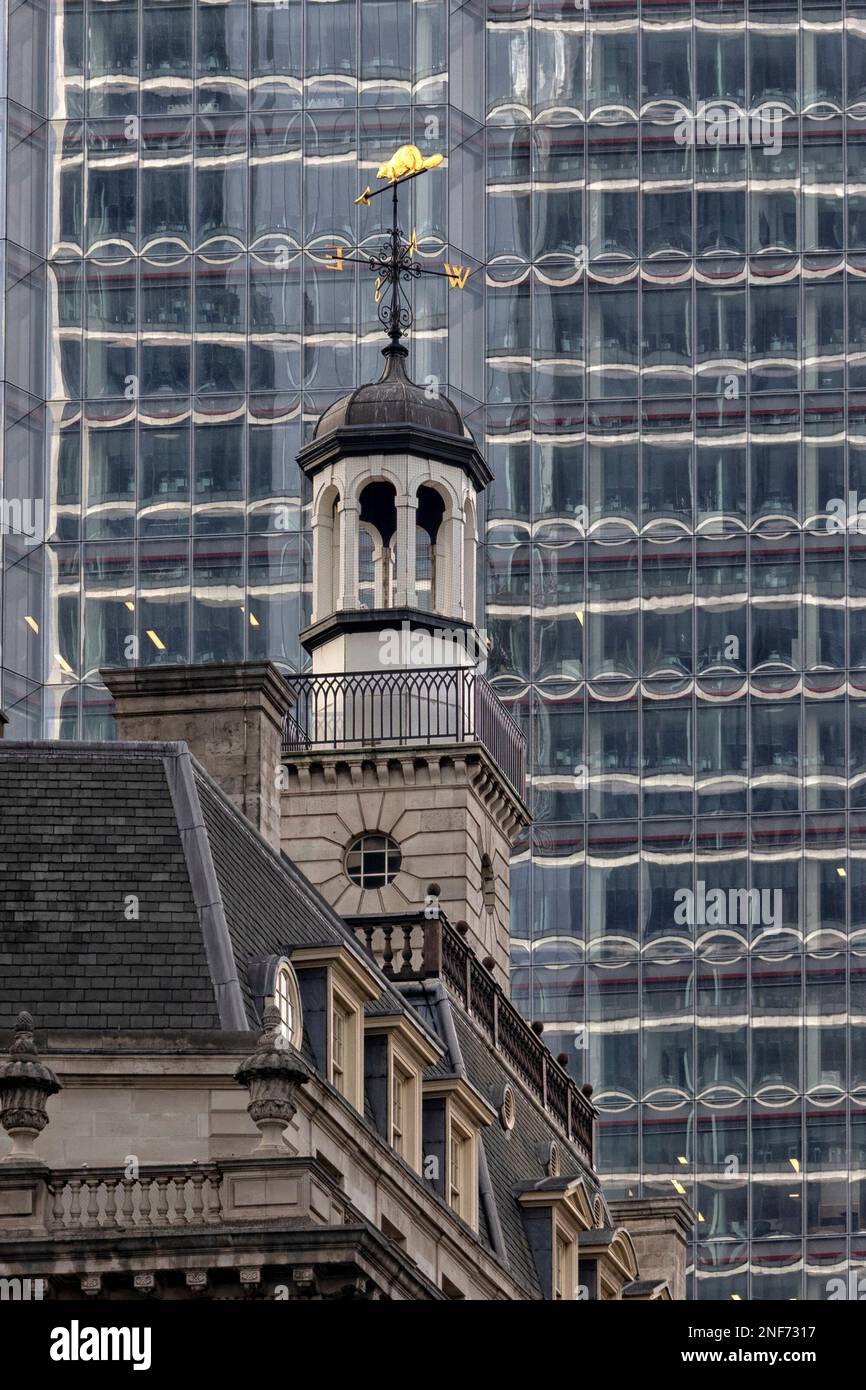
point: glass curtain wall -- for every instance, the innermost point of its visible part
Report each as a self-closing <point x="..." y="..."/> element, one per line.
<point x="186" y="307"/>
<point x="674" y="584"/>
<point x="662" y="341"/>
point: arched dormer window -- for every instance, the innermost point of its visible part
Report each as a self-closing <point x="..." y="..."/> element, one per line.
<point x="287" y="1000"/>
<point x="273" y="980"/>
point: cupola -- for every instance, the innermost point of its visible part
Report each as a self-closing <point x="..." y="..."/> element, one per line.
<point x="395" y="477"/>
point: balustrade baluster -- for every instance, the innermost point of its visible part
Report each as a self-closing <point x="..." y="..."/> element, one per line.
<point x="387" y="951"/>
<point x="407" y="949"/>
<point x="197" y="1198"/>
<point x="213" y="1197"/>
<point x="145" y="1195"/>
<point x="75" y="1202"/>
<point x="111" y="1201"/>
<point x="180" y="1201"/>
<point x="160" y="1217"/>
<point x="58" y="1214"/>
<point x="127" y="1210"/>
<point x="92" y="1216"/>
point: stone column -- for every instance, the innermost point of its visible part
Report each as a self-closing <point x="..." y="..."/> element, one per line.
<point x="230" y="715"/>
<point x="451" y="549"/>
<point x="349" y="513"/>
<point x="404" y="586"/>
<point x="323" y="567"/>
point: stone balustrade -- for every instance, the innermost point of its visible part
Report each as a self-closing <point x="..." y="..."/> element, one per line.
<point x="94" y="1199"/>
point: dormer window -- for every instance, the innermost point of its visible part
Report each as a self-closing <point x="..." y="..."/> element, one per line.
<point x="336" y="987"/>
<point x="456" y="1176"/>
<point x="287" y="1001"/>
<point x="342" y="1046"/>
<point x="400" y="1084"/>
<point x="462" y="1170"/>
<point x="396" y="1051"/>
<point x="454" y="1114"/>
<point x="564" y="1280"/>
<point x="273" y="980"/>
<point x="555" y="1212"/>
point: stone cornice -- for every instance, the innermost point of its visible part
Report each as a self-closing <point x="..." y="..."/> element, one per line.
<point x="234" y="680"/>
<point x="378" y="619"/>
<point x="361" y="441"/>
<point x="471" y="762"/>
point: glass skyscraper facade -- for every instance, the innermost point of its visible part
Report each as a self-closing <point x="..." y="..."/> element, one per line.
<point x="181" y="304"/>
<point x="662" y="345"/>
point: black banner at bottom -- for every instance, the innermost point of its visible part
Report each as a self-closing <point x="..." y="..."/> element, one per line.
<point x="57" y="1340"/>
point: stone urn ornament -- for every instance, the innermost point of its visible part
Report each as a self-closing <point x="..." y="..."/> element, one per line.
<point x="25" y="1085"/>
<point x="272" y="1075"/>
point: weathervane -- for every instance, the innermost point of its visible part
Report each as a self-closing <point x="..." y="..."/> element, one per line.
<point x="395" y="265"/>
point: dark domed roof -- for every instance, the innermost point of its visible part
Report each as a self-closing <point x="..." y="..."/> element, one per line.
<point x="392" y="400"/>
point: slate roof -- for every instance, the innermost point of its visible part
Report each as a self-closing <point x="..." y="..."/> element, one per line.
<point x="84" y="826"/>
<point x="271" y="908"/>
<point x="83" y="830"/>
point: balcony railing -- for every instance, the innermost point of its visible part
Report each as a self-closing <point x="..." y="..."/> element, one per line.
<point x="369" y="708"/>
<point x="92" y="1199"/>
<point x="413" y="947"/>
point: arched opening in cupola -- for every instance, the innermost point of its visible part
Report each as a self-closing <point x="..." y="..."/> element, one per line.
<point x="326" y="551"/>
<point x="429" y="530"/>
<point x="376" y="556"/>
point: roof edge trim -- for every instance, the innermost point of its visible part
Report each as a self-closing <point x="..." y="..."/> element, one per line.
<point x="205" y="890"/>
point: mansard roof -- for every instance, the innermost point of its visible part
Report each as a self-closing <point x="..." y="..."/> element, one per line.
<point x="137" y="898"/>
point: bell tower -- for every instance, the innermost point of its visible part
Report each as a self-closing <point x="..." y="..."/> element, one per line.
<point x="403" y="772"/>
<point x="395" y="478"/>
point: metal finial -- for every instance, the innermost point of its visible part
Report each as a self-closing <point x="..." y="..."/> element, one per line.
<point x="394" y="267"/>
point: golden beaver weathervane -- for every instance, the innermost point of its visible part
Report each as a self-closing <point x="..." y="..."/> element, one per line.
<point x="395" y="265"/>
<point x="407" y="160"/>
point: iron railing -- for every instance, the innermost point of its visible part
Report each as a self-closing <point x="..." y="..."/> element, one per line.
<point x="368" y="708"/>
<point x="412" y="947"/>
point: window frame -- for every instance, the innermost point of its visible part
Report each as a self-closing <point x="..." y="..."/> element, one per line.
<point x="564" y="1271"/>
<point x="293" y="1030"/>
<point x="462" y="1198"/>
<point x="389" y="849"/>
<point x="347" y="1075"/>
